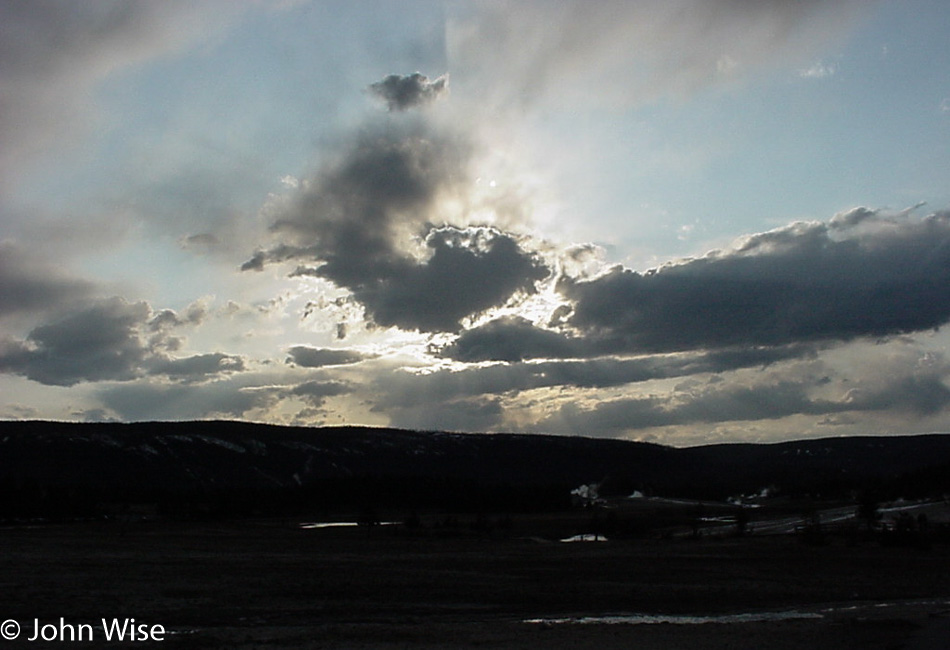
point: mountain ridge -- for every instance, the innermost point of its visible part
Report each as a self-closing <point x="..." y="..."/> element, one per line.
<point x="60" y="465"/>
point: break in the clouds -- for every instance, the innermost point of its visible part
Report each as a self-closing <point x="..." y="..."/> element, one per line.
<point x="402" y="92"/>
<point x="374" y="222"/>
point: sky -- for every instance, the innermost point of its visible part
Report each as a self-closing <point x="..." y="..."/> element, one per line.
<point x="679" y="221"/>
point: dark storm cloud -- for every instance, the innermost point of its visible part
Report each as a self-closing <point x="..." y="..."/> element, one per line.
<point x="307" y="357"/>
<point x="100" y="342"/>
<point x="29" y="285"/>
<point x="111" y="339"/>
<point x="402" y="92"/>
<point x="383" y="187"/>
<point x="468" y="272"/>
<point x="360" y="221"/>
<point x="861" y="274"/>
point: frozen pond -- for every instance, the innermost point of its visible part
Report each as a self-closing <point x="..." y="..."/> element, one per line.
<point x="340" y="524"/>
<point x="745" y="617"/>
<point x="585" y="538"/>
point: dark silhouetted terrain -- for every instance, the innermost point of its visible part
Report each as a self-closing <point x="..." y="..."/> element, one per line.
<point x="210" y="529"/>
<point x="65" y="469"/>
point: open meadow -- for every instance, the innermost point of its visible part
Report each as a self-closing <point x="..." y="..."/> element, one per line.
<point x="466" y="584"/>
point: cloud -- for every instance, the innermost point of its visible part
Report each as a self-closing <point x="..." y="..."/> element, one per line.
<point x="199" y="242"/>
<point x="194" y="314"/>
<point x="308" y="357"/>
<point x="401" y="389"/>
<point x="224" y="394"/>
<point x="54" y="54"/>
<point x="257" y="261"/>
<point x="110" y="339"/>
<point x="374" y="222"/>
<point x="918" y="394"/>
<point x="512" y="338"/>
<point x="864" y="273"/>
<point x="146" y="401"/>
<point x="197" y="367"/>
<point x="316" y="392"/>
<point x="402" y="92"/>
<point x="772" y="298"/>
<point x="818" y="70"/>
<point x="99" y="342"/>
<point x="469" y="271"/>
<point x="631" y="53"/>
<point x="28" y="285"/>
<point x="915" y="395"/>
<point x="479" y="414"/>
<point x="906" y="379"/>
<point x="94" y="415"/>
<point x="361" y="210"/>
<point x="711" y="404"/>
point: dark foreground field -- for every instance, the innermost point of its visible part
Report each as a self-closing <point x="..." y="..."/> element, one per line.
<point x="270" y="584"/>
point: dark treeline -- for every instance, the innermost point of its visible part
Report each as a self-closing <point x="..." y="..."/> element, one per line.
<point x="201" y="469"/>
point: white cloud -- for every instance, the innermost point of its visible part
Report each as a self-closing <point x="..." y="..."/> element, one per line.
<point x="819" y="70"/>
<point x="631" y="53"/>
<point x="55" y="54"/>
